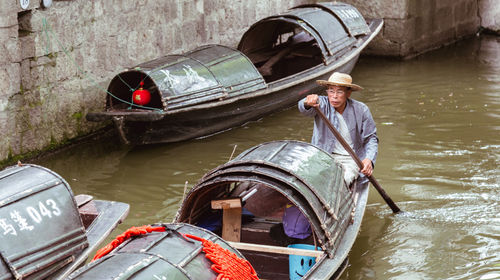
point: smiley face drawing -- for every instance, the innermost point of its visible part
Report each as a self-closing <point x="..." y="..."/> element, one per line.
<point x="301" y="265"/>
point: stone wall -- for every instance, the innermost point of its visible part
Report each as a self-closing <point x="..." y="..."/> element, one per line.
<point x="489" y="12"/>
<point x="413" y="27"/>
<point x="56" y="62"/>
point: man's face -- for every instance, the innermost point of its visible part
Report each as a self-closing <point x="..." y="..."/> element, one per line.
<point x="337" y="96"/>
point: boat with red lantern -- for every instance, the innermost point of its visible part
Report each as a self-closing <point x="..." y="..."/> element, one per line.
<point x="214" y="88"/>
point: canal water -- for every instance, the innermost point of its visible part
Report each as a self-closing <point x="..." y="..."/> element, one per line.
<point x="438" y="120"/>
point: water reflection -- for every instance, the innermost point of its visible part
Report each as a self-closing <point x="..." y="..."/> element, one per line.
<point x="438" y="119"/>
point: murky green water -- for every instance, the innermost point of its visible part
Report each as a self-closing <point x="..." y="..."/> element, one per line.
<point x="438" y="120"/>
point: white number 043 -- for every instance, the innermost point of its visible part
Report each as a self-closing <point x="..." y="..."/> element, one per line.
<point x="43" y="211"/>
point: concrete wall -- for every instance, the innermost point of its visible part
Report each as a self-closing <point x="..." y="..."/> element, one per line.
<point x="56" y="62"/>
<point x="416" y="26"/>
<point x="489" y="12"/>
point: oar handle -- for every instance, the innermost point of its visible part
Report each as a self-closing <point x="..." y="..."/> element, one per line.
<point x="349" y="150"/>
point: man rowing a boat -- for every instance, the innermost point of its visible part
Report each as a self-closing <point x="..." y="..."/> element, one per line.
<point x="351" y="118"/>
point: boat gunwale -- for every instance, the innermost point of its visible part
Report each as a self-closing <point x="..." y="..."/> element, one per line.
<point x="347" y="241"/>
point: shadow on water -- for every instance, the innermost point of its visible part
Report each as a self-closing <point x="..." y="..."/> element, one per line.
<point x="438" y="119"/>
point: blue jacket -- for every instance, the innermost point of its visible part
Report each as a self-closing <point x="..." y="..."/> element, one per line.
<point x="359" y="121"/>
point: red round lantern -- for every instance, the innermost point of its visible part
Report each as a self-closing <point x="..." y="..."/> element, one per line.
<point x="141" y="96"/>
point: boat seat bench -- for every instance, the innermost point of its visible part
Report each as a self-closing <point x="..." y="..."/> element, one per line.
<point x="276" y="249"/>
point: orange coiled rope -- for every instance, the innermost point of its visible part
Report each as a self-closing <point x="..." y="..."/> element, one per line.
<point x="226" y="263"/>
<point x="133" y="231"/>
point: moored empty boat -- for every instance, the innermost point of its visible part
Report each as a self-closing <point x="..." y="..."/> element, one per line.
<point x="214" y="88"/>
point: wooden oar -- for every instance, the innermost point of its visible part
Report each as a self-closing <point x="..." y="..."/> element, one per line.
<point x="348" y="148"/>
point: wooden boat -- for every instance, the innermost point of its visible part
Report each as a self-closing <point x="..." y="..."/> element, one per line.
<point x="243" y="202"/>
<point x="214" y="88"/>
<point x="280" y="173"/>
<point x="45" y="231"/>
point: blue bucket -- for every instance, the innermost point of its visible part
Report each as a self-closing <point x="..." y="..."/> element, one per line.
<point x="300" y="265"/>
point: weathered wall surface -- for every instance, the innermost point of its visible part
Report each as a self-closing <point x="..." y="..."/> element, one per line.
<point x="489" y="12"/>
<point x="416" y="26"/>
<point x="56" y="62"/>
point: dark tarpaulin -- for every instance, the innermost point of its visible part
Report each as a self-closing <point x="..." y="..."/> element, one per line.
<point x="209" y="73"/>
<point x="334" y="26"/>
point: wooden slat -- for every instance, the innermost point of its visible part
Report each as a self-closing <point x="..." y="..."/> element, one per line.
<point x="231" y="224"/>
<point x="276" y="249"/>
<point x="226" y="203"/>
<point x="81" y="199"/>
<point x="231" y="217"/>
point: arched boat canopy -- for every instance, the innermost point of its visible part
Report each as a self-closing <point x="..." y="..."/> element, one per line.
<point x="209" y="73"/>
<point x="333" y="26"/>
<point x="303" y="173"/>
<point x="348" y="15"/>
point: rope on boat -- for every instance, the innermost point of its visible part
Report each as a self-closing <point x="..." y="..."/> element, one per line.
<point x="50" y="34"/>
<point x="133" y="231"/>
<point x="226" y="263"/>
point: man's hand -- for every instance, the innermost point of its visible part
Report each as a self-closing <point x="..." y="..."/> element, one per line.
<point x="367" y="167"/>
<point x="311" y="101"/>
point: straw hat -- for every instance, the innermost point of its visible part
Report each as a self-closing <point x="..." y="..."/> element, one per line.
<point x="340" y="79"/>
